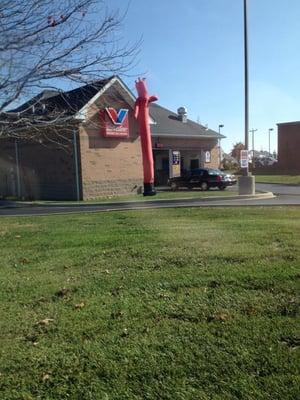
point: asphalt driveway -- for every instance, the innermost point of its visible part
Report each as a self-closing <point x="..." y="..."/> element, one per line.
<point x="285" y="195"/>
<point x="279" y="189"/>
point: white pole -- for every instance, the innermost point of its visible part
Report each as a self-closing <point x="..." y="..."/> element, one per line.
<point x="270" y="130"/>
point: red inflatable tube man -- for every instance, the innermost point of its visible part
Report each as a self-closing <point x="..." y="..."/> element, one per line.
<point x="141" y="113"/>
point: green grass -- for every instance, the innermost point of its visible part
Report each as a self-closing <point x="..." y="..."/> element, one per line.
<point x="286" y="179"/>
<point x="157" y="304"/>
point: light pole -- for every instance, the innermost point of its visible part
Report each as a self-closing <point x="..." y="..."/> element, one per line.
<point x="246" y="81"/>
<point x="220" y="155"/>
<point x="270" y="130"/>
<point x="246" y="181"/>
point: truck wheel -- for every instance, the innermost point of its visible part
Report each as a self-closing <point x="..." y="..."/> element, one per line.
<point x="204" y="186"/>
<point x="174" y="186"/>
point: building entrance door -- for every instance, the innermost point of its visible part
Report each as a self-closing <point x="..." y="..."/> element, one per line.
<point x="194" y="164"/>
<point x="161" y="167"/>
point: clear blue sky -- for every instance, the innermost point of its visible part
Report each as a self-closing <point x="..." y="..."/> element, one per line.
<point x="192" y="55"/>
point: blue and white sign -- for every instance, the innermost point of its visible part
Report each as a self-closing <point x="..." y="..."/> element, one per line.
<point x="244" y="161"/>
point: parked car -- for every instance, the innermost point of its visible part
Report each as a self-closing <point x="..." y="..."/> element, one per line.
<point x="265" y="161"/>
<point x="230" y="178"/>
<point x="204" y="178"/>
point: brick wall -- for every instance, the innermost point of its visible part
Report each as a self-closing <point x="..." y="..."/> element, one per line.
<point x="109" y="166"/>
<point x="47" y="171"/>
<point x="289" y="146"/>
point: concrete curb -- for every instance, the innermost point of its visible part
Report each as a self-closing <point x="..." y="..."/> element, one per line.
<point x="257" y="196"/>
<point x="279" y="184"/>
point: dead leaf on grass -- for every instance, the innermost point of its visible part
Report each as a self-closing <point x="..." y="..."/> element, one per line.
<point x="79" y="306"/>
<point x="41" y="300"/>
<point x="251" y="311"/>
<point x="46" y="377"/>
<point x="164" y="296"/>
<point x="220" y="317"/>
<point x="45" y="322"/>
<point x="125" y="332"/>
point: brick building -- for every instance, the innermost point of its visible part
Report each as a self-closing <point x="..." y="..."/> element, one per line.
<point x="289" y="146"/>
<point x="98" y="156"/>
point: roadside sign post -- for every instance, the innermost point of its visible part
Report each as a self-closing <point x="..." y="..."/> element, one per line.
<point x="244" y="160"/>
<point x="246" y="182"/>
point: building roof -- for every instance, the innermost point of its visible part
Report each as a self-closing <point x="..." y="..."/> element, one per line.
<point x="69" y="102"/>
<point x="289" y="123"/>
<point x="168" y="124"/>
<point x="74" y="103"/>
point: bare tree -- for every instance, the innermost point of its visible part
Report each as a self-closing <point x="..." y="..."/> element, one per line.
<point x="46" y="42"/>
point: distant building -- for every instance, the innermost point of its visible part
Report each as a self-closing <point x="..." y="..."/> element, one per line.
<point x="289" y="146"/>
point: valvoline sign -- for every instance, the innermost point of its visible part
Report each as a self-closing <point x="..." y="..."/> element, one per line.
<point x="114" y="124"/>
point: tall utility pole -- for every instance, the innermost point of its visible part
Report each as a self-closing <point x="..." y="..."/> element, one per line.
<point x="246" y="181"/>
<point x="270" y="130"/>
<point x="246" y="80"/>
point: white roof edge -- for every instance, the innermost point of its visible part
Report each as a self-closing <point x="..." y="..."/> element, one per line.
<point x="81" y="114"/>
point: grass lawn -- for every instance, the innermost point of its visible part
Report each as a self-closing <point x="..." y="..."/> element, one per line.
<point x="157" y="304"/>
<point x="286" y="179"/>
